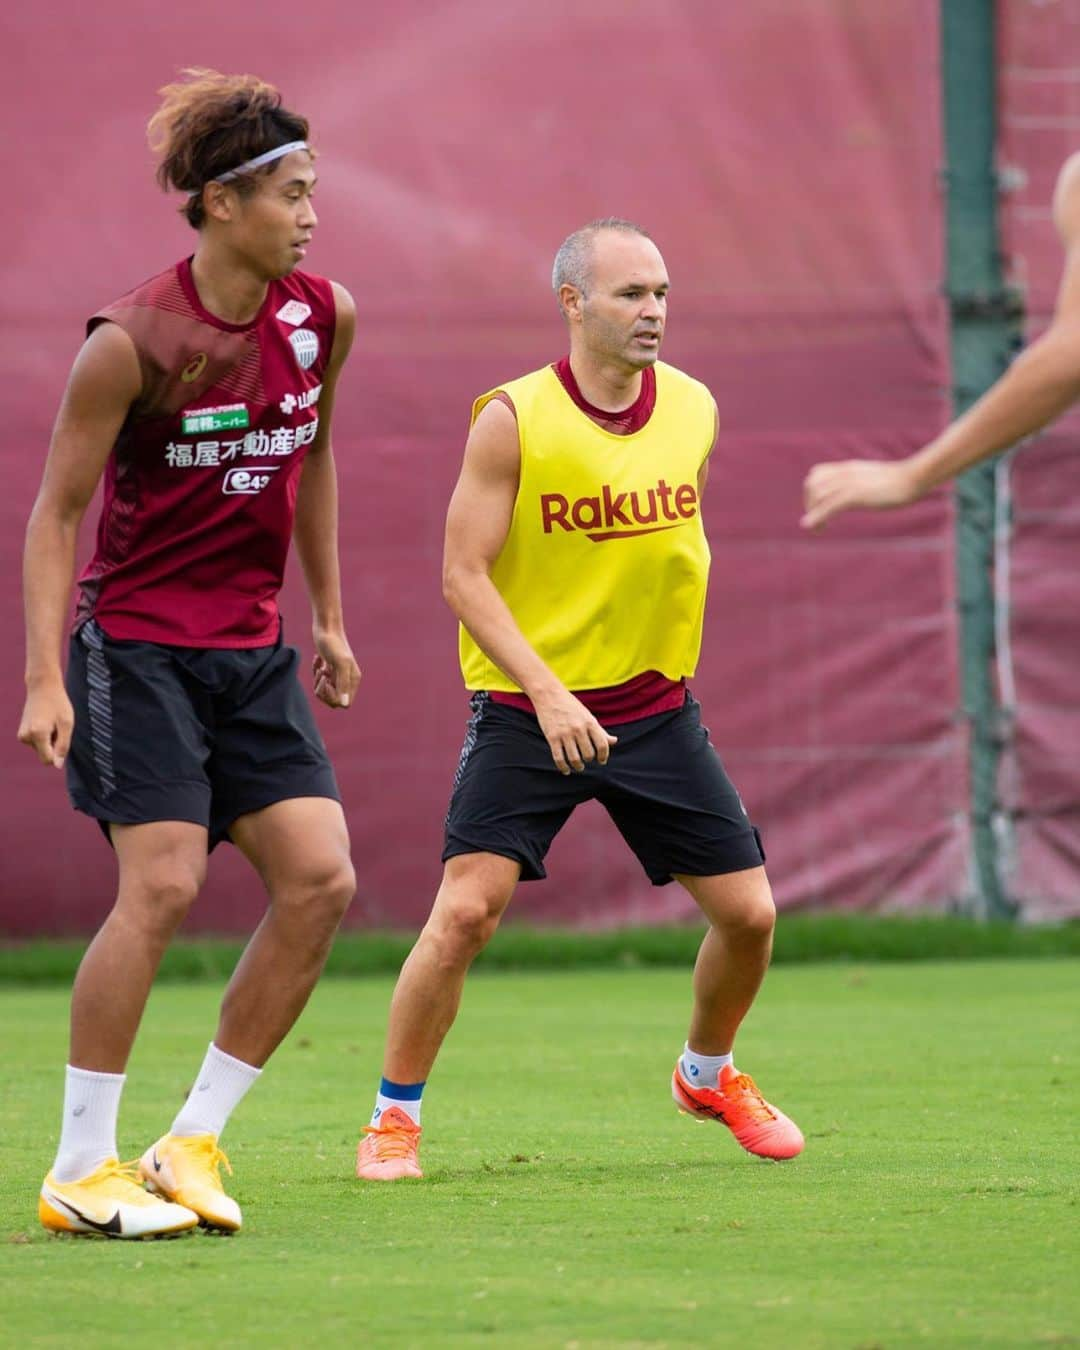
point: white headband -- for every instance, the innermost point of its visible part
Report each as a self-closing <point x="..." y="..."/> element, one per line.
<point x="260" y="160"/>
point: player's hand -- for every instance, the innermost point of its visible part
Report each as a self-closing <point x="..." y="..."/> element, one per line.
<point x="334" y="669"/>
<point x="854" y="483"/>
<point x="47" y="723"/>
<point x="575" y="736"/>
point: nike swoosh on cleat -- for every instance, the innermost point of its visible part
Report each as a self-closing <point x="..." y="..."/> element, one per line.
<point x="111" y="1226"/>
<point x="157" y="1165"/>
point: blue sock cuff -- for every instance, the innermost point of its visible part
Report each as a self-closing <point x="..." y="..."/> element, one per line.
<point x="401" y="1092"/>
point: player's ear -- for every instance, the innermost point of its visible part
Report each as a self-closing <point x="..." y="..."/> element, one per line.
<point x="570" y="299"/>
<point x="218" y="202"/>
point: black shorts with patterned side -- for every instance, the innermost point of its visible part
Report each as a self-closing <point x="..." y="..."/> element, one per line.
<point x="196" y="734"/>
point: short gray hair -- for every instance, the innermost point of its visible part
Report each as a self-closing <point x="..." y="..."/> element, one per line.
<point x="573" y="262"/>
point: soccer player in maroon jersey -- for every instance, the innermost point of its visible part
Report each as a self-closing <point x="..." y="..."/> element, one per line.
<point x="204" y="397"/>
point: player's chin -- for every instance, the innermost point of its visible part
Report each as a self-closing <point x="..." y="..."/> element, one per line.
<point x="284" y="265"/>
<point x="641" y="358"/>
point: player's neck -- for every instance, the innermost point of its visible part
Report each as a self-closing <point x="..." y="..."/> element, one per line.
<point x="230" y="292"/>
<point x="612" y="388"/>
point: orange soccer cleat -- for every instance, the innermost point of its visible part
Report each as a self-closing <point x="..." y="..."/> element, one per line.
<point x="389" y="1150"/>
<point x="736" y="1103"/>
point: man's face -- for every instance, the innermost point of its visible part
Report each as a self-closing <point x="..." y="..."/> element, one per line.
<point x="624" y="309"/>
<point x="273" y="226"/>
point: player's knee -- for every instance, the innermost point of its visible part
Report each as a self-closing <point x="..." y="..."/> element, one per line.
<point x="466" y="923"/>
<point x="159" y="897"/>
<point x="339" y="891"/>
<point x="756" y="915"/>
<point x="319" y="897"/>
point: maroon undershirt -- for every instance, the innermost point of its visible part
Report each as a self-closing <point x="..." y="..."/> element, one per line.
<point x="650" y="692"/>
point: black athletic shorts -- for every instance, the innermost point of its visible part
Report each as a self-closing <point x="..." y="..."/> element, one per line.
<point x="188" y="733"/>
<point x="664" y="787"/>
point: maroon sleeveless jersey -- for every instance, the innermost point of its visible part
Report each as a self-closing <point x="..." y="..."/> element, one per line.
<point x="200" y="488"/>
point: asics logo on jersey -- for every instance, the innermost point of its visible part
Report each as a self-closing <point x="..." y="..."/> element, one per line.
<point x="194" y="368"/>
<point x="646" y="511"/>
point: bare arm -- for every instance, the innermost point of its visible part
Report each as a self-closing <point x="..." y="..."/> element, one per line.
<point x="105" y="381"/>
<point x="1038" y="387"/>
<point x="477" y="524"/>
<point x="315" y="530"/>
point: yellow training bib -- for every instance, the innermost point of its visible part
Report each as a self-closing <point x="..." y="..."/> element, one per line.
<point x="606" y="563"/>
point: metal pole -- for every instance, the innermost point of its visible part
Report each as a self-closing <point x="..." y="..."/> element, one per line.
<point x="985" y="332"/>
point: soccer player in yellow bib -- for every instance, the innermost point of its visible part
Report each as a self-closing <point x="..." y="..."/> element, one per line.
<point x="577" y="564"/>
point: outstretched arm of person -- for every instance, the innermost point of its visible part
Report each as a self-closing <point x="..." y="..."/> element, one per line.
<point x="1038" y="387"/>
<point x="334" y="669"/>
<point x="105" y="381"/>
<point x="477" y="524"/>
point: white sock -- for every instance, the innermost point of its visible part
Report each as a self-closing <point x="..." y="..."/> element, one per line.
<point x="703" y="1070"/>
<point x="88" y="1131"/>
<point x="405" y="1096"/>
<point x="219" y="1089"/>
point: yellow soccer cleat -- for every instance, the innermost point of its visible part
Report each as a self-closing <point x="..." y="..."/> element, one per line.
<point x="110" y="1201"/>
<point x="186" y="1169"/>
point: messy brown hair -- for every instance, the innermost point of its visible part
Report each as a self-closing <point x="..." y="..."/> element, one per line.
<point x="209" y="123"/>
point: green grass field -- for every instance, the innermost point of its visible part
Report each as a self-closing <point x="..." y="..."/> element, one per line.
<point x="567" y="1203"/>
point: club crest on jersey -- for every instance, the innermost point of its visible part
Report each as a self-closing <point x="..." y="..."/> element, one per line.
<point x="305" y="347"/>
<point x="294" y="312"/>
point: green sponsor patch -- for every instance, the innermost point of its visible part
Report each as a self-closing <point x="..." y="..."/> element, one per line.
<point x="216" y="419"/>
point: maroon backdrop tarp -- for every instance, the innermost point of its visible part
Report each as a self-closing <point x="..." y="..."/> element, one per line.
<point x="786" y="156"/>
<point x="1040" y="128"/>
